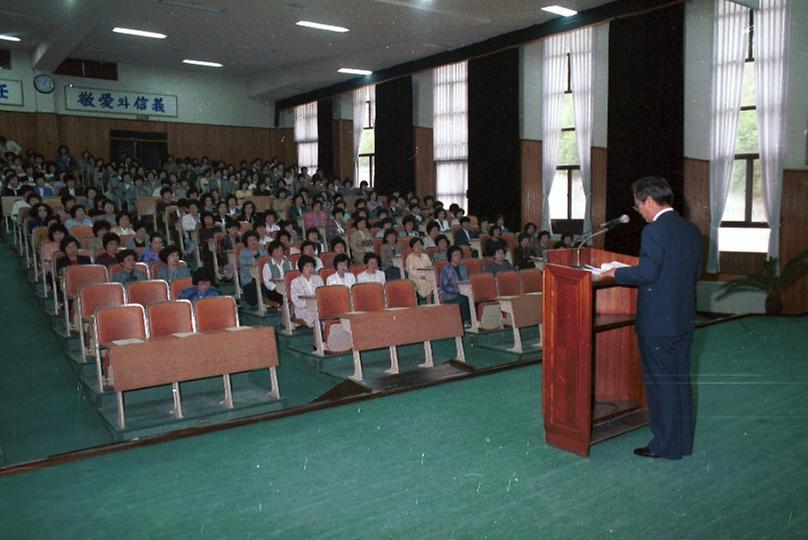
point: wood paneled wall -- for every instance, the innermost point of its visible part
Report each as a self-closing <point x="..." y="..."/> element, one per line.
<point x="424" y="162"/>
<point x="46" y="131"/>
<point x="343" y="148"/>
<point x="531" y="181"/>
<point x="794" y="234"/>
<point x="599" y="171"/>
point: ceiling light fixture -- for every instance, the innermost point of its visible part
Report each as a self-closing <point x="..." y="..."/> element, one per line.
<point x="202" y="63"/>
<point x="558" y="10"/>
<point x="355" y="71"/>
<point x="141" y="33"/>
<point x="320" y="26"/>
<point x="4" y="37"/>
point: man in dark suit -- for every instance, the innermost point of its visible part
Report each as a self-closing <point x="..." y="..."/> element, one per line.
<point x="670" y="263"/>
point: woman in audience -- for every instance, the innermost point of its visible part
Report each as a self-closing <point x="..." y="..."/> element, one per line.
<point x="221" y="217"/>
<point x="78" y="218"/>
<point x="441" y="219"/>
<point x="38" y="216"/>
<point x="531" y="230"/>
<point x="100" y="229"/>
<point x="141" y="238"/>
<point x="298" y="209"/>
<point x="432" y="232"/>
<point x="123" y="225"/>
<point x="315" y="218"/>
<point x="523" y="257"/>
<point x="501" y="223"/>
<point x="248" y="213"/>
<point x="275" y="268"/>
<point x="129" y="273"/>
<point x="243" y="191"/>
<point x="418" y="265"/>
<point x="174" y="268"/>
<point x="545" y="243"/>
<point x="343" y="274"/>
<point x="271" y="221"/>
<point x="308" y="248"/>
<point x="361" y="241"/>
<point x="233" y="211"/>
<point x="494" y="242"/>
<point x="110" y="254"/>
<point x="565" y="242"/>
<point x="248" y="257"/>
<point x="442" y="253"/>
<point x="70" y="247"/>
<point x="447" y="285"/>
<point x="390" y="248"/>
<point x="281" y="203"/>
<point x="64" y="160"/>
<point x="305" y="285"/>
<point x="56" y="233"/>
<point x="152" y="253"/>
<point x="336" y="225"/>
<point x="409" y="229"/>
<point x="313" y="236"/>
<point x="372" y="273"/>
<point x="499" y="263"/>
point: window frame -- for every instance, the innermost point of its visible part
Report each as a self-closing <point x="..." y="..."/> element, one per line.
<point x="569" y="168"/>
<point x="749" y="158"/>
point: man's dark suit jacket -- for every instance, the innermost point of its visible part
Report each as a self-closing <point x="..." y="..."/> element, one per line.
<point x="670" y="262"/>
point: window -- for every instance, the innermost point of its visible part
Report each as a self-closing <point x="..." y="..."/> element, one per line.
<point x="567" y="198"/>
<point x="450" y="128"/>
<point x="306" y="135"/>
<point x="366" y="156"/>
<point x="743" y="225"/>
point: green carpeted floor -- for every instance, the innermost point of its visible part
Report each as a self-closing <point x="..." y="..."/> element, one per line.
<point x="43" y="409"/>
<point x="461" y="460"/>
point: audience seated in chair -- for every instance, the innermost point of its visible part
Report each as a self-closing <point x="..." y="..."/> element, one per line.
<point x="447" y="285"/>
<point x="305" y="285"/>
<point x="173" y="268"/>
<point x="127" y="259"/>
<point x="499" y="263"/>
<point x="371" y="273"/>
<point x="418" y="265"/>
<point x="202" y="286"/>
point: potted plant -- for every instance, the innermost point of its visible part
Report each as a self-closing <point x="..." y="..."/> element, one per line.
<point x="770" y="282"/>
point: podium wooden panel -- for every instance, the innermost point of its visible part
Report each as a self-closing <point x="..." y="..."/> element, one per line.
<point x="592" y="387"/>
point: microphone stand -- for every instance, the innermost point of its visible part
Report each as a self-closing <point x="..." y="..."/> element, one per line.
<point x="584" y="239"/>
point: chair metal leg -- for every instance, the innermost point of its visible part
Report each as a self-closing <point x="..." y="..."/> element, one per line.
<point x="357" y="360"/>
<point x="228" y="391"/>
<point x="461" y="353"/>
<point x="275" y="391"/>
<point x="428" y="361"/>
<point x="175" y="391"/>
<point x="393" y="361"/>
<point x="121" y="419"/>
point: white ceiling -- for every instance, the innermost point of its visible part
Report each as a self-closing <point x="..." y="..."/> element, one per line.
<point x="258" y="39"/>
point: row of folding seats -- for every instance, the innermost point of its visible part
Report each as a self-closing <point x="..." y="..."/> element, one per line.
<point x="122" y="322"/>
<point x="334" y="300"/>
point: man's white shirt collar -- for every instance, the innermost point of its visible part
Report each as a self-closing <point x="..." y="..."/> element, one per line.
<point x="668" y="209"/>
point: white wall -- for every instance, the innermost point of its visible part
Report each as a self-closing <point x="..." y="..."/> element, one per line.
<point x="698" y="74"/>
<point x="203" y="98"/>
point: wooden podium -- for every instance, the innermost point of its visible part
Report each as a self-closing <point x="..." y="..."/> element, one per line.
<point x="592" y="387"/>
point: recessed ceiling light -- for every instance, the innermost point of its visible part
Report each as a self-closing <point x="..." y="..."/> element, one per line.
<point x="558" y="10"/>
<point x="4" y="37"/>
<point x="319" y="26"/>
<point x="141" y="33"/>
<point x="202" y="63"/>
<point x="355" y="71"/>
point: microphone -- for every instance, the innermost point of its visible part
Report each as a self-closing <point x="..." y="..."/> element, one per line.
<point x="616" y="221"/>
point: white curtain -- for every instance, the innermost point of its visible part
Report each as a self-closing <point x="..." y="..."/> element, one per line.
<point x="306" y="135"/>
<point x="771" y="44"/>
<point x="729" y="51"/>
<point x="581" y="82"/>
<point x="361" y="96"/>
<point x="450" y="133"/>
<point x="553" y="85"/>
